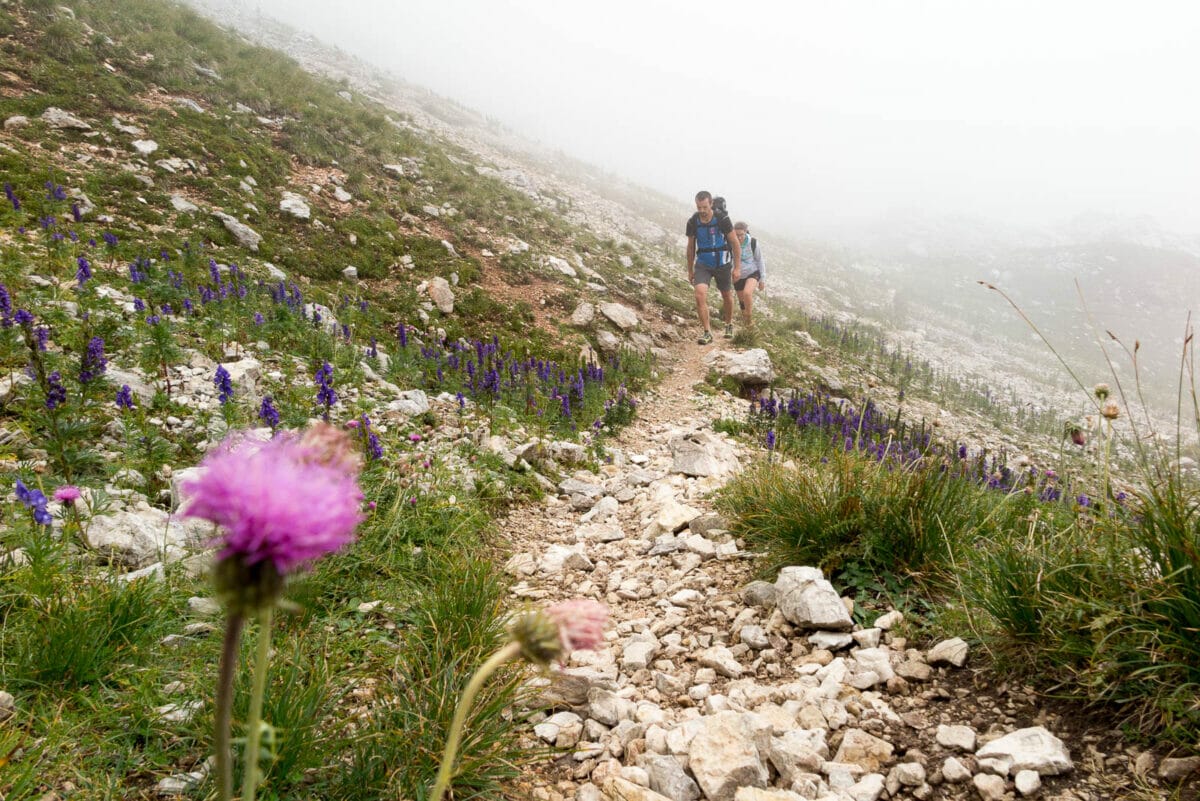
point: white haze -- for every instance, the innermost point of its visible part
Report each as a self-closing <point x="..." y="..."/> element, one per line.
<point x="809" y="115"/>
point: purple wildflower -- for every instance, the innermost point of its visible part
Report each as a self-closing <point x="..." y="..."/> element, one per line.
<point x="258" y="318"/>
<point x="36" y="500"/>
<point x="139" y="305"/>
<point x="125" y="397"/>
<point x="55" y="191"/>
<point x="771" y="440"/>
<point x="56" y="393"/>
<point x="268" y="413"/>
<point x="402" y="332"/>
<point x="224" y="384"/>
<point x="325" y="394"/>
<point x="109" y="238"/>
<point x="6" y="308"/>
<point x="253" y="491"/>
<point x="75" y="211"/>
<point x="42" y="335"/>
<point x="93" y="363"/>
<point x="84" y="273"/>
<point x="153" y="319"/>
<point x="12" y="197"/>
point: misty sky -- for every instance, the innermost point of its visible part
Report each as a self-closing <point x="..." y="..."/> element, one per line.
<point x="807" y="114"/>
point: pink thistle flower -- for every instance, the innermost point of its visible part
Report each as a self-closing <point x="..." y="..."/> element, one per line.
<point x="352" y="424"/>
<point x="580" y="623"/>
<point x="67" y="494"/>
<point x="277" y="501"/>
<point x="414" y="437"/>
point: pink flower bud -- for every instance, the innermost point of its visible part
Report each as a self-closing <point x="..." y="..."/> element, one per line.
<point x="580" y="624"/>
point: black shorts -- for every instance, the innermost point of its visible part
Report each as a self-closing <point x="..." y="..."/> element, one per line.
<point x="740" y="284"/>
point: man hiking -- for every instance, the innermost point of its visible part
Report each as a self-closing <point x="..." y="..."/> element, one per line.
<point x="712" y="252"/>
<point x="754" y="271"/>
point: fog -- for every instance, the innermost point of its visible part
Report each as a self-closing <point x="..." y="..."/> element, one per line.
<point x="808" y="115"/>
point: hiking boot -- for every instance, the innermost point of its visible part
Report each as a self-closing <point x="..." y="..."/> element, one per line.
<point x="705" y="338"/>
<point x="729" y="331"/>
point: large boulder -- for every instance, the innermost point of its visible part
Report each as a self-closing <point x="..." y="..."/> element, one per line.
<point x="621" y="315"/>
<point x="441" y="294"/>
<point x="57" y="118"/>
<point x="702" y="453"/>
<point x="583" y="315"/>
<point x="807" y="600"/>
<point x="1033" y="748"/>
<point x="749" y="368"/>
<point x="724" y="756"/>
<point x="295" y="205"/>
<point x="246" y="236"/>
<point x="138" y="538"/>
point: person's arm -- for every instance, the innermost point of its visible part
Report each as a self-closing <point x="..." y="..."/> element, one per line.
<point x="731" y="235"/>
<point x="762" y="268"/>
<point x="691" y="259"/>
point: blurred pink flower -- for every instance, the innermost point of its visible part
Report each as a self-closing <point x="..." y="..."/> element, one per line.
<point x="414" y="437"/>
<point x="580" y="623"/>
<point x="277" y="501"/>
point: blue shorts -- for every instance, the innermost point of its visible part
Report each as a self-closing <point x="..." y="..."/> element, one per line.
<point x="705" y="273"/>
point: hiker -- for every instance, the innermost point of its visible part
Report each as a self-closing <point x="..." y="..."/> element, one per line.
<point x="754" y="271"/>
<point x="712" y="252"/>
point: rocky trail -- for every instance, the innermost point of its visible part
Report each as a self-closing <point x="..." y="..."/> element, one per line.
<point x="716" y="686"/>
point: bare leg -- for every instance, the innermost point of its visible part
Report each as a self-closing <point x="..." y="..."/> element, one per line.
<point x="747" y="297"/>
<point x="727" y="306"/>
<point x="702" y="305"/>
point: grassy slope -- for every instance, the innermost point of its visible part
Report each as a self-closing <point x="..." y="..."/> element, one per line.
<point x="86" y="658"/>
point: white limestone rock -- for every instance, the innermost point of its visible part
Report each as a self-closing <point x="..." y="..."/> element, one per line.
<point x="702" y="453"/>
<point x="620" y="315"/>
<point x="295" y="205"/>
<point x="724" y="755"/>
<point x="1033" y="748"/>
<point x="807" y="600"/>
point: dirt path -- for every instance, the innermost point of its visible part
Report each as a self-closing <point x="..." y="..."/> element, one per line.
<point x="694" y="661"/>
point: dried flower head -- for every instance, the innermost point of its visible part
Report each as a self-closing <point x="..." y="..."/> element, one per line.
<point x="328" y="445"/>
<point x="1110" y="411"/>
<point x="1100" y="391"/>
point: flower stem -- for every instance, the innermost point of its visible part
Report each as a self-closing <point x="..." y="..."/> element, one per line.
<point x="454" y="736"/>
<point x="229" y="655"/>
<point x="254" y="722"/>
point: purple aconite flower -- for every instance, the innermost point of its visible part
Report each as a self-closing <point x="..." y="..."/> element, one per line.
<point x="56" y="393"/>
<point x="12" y="197"/>
<point x="268" y="413"/>
<point x="35" y="499"/>
<point x="325" y="394"/>
<point x="124" y="397"/>
<point x="771" y="440"/>
<point x="42" y="335"/>
<point x="94" y="363"/>
<point x="55" y="191"/>
<point x="277" y="501"/>
<point x="258" y="318"/>
<point x="23" y="318"/>
<point x="84" y="273"/>
<point x="224" y="384"/>
<point x="6" y="308"/>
